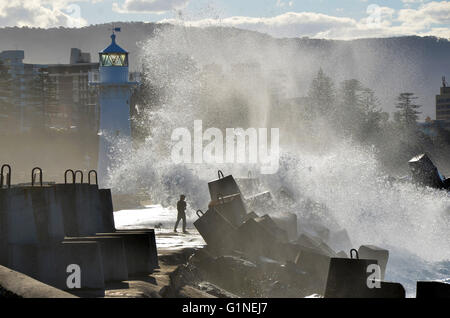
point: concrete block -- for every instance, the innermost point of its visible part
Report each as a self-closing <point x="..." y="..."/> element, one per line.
<point x="88" y="209"/>
<point x="248" y="186"/>
<point x="288" y="223"/>
<point x="317" y="266"/>
<point x="432" y="290"/>
<point x="137" y="251"/>
<point x="374" y="252"/>
<point x="112" y="250"/>
<point x="232" y="208"/>
<point x="268" y="223"/>
<point x="255" y="241"/>
<point x="248" y="216"/>
<point x="47" y="212"/>
<point x="223" y="186"/>
<point x="87" y="255"/>
<point x="316" y="244"/>
<point x="81" y="209"/>
<point x="106" y="210"/>
<point x="347" y="278"/>
<point x="388" y="290"/>
<point x="152" y="242"/>
<point x="261" y="203"/>
<point x="48" y="263"/>
<point x="18" y="217"/>
<point x="66" y="195"/>
<point x="23" y="258"/>
<point x="425" y="172"/>
<point x="217" y="231"/>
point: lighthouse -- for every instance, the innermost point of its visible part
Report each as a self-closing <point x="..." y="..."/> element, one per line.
<point x="114" y="91"/>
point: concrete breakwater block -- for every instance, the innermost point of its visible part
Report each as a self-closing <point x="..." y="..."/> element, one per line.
<point x="347" y="278"/>
<point x="17" y="217"/>
<point x="232" y="208"/>
<point x="47" y="211"/>
<point x="152" y="242"/>
<point x="256" y="240"/>
<point x="316" y="265"/>
<point x="315" y="243"/>
<point x="374" y="252"/>
<point x="262" y="202"/>
<point x="424" y="172"/>
<point x="268" y="223"/>
<point x="288" y="223"/>
<point x="112" y="250"/>
<point x="137" y="251"/>
<point x="432" y="290"/>
<point x="216" y="230"/>
<point x="223" y="186"/>
<point x="23" y="258"/>
<point x="249" y="185"/>
<point x="85" y="254"/>
<point x="31" y="215"/>
<point x="106" y="210"/>
<point x="86" y="209"/>
<point x="81" y="209"/>
<point x="49" y="263"/>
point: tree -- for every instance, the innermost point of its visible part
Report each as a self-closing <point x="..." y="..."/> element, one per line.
<point x="408" y="113"/>
<point x="351" y="114"/>
<point x="322" y="95"/>
<point x="374" y="117"/>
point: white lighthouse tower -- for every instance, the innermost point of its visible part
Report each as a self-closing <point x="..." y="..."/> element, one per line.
<point x="114" y="99"/>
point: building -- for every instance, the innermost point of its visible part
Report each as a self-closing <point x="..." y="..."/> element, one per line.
<point x="443" y="103"/>
<point x="47" y="96"/>
<point x="114" y="93"/>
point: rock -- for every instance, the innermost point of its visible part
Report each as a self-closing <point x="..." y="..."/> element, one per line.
<point x="214" y="290"/>
<point x="192" y="292"/>
<point x="237" y="275"/>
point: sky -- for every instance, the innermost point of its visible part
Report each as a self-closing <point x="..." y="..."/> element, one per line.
<point x="330" y="19"/>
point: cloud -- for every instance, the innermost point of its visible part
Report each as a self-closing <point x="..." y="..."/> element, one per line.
<point x="149" y="6"/>
<point x="40" y="13"/>
<point x="428" y="19"/>
<point x="426" y="15"/>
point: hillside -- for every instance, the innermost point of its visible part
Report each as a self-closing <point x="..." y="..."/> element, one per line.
<point x="389" y="66"/>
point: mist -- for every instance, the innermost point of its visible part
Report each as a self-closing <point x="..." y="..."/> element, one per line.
<point x="229" y="82"/>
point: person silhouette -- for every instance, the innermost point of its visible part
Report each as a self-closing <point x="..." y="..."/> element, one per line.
<point x="181" y="207"/>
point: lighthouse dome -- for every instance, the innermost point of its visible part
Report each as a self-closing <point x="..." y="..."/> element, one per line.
<point x="113" y="55"/>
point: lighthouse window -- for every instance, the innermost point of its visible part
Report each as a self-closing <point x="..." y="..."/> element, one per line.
<point x="114" y="59"/>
